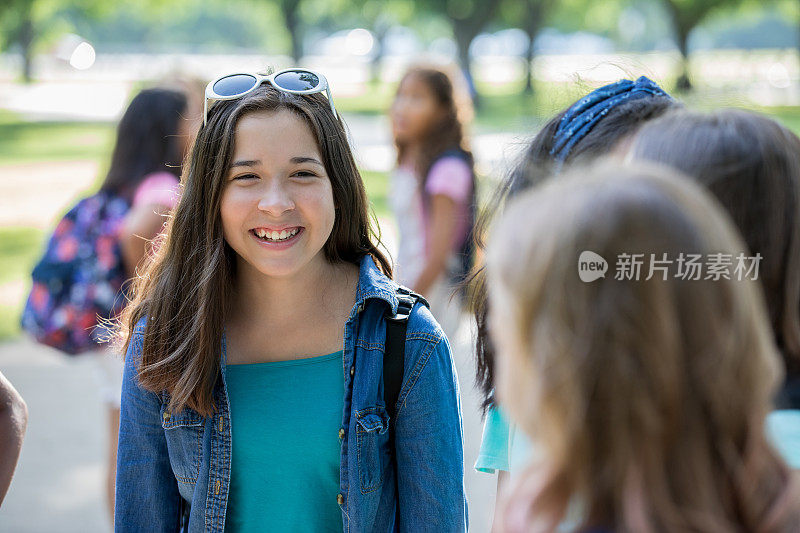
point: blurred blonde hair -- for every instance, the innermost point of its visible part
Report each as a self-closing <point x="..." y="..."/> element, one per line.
<point x="647" y="397"/>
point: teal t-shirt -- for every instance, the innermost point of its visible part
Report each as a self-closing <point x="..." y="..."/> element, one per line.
<point x="285" y="421"/>
<point x="783" y="428"/>
<point x="503" y="446"/>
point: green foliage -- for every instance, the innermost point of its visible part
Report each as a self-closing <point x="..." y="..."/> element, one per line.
<point x="22" y="141"/>
<point x="19" y="250"/>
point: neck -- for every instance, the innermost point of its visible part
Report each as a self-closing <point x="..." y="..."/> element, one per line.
<point x="412" y="152"/>
<point x="285" y="299"/>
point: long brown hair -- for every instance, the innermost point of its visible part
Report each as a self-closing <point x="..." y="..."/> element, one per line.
<point x="447" y="133"/>
<point x="648" y="397"/>
<point x="751" y="163"/>
<point x="184" y="292"/>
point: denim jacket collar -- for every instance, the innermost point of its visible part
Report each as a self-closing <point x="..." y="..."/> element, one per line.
<point x="374" y="285"/>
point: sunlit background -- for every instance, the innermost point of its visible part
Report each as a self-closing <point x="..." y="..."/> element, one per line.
<point x="69" y="68"/>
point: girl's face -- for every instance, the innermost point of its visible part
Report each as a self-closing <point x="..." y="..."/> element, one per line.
<point x="414" y="110"/>
<point x="277" y="204"/>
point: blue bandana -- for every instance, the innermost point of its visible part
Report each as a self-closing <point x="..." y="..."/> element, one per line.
<point x="584" y="114"/>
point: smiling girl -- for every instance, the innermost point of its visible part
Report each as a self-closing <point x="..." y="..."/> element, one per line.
<point x="253" y="394"/>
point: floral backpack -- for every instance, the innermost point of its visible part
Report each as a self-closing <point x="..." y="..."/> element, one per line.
<point x="77" y="284"/>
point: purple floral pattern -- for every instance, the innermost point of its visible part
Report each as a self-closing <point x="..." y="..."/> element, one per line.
<point x="78" y="282"/>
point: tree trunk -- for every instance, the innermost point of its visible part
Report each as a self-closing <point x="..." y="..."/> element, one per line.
<point x="683" y="23"/>
<point x="290" y="9"/>
<point x="26" y="39"/>
<point x="464" y="38"/>
<point x="533" y="21"/>
<point x="684" y="83"/>
<point x="380" y="32"/>
<point x="464" y="31"/>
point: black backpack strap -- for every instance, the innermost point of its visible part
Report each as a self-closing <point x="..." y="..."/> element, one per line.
<point x="395" y="350"/>
<point x="393" y="364"/>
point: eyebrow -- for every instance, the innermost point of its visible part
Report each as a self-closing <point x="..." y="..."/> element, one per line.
<point x="298" y="160"/>
<point x="246" y="163"/>
<point x="295" y="160"/>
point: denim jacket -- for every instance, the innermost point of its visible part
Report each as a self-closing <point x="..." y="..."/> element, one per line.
<point x="169" y="460"/>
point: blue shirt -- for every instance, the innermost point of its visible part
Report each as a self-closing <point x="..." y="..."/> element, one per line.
<point x="783" y="428"/>
<point x="285" y="460"/>
<point x="166" y="460"/>
<point x="503" y="446"/>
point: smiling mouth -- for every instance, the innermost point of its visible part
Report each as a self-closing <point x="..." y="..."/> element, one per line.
<point x="275" y="236"/>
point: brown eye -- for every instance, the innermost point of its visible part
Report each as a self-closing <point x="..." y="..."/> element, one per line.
<point x="304" y="174"/>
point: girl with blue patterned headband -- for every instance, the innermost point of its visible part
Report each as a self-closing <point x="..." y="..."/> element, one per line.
<point x="600" y="123"/>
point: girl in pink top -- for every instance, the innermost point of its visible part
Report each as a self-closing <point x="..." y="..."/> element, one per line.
<point x="153" y="137"/>
<point x="433" y="190"/>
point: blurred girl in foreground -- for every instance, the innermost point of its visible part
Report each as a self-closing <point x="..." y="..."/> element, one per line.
<point x="647" y="396"/>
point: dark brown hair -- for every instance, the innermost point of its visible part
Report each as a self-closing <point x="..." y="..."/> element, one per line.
<point x="184" y="292"/>
<point x="447" y="133"/>
<point x="148" y="140"/>
<point x="535" y="166"/>
<point x="751" y="163"/>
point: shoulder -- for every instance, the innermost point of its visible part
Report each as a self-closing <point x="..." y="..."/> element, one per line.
<point x="450" y="175"/>
<point x="450" y="163"/>
<point x="423" y="325"/>
<point x="135" y="339"/>
<point x="157" y="188"/>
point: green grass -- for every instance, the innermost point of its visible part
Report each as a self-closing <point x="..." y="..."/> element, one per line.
<point x="377" y="185"/>
<point x="25" y="142"/>
<point x="9" y="321"/>
<point x="788" y="116"/>
<point x="19" y="250"/>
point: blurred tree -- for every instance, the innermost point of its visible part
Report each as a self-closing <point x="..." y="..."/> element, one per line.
<point x="379" y="17"/>
<point x="290" y="10"/>
<point x="17" y="18"/>
<point x="467" y="19"/>
<point x="529" y="16"/>
<point x="26" y="23"/>
<point x="686" y="15"/>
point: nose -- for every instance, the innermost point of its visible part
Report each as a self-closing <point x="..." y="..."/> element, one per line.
<point x="276" y="199"/>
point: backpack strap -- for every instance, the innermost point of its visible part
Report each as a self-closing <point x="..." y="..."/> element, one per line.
<point x="393" y="364"/>
<point x="394" y="353"/>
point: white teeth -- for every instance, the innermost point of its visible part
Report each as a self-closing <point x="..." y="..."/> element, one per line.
<point x="275" y="235"/>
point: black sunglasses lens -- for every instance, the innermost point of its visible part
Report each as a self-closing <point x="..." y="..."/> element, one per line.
<point x="297" y="80"/>
<point x="234" y="85"/>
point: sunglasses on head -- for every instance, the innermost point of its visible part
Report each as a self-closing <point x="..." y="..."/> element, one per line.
<point x="290" y="80"/>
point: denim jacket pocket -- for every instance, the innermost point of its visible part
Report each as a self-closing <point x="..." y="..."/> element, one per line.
<point x="184" y="434"/>
<point x="372" y="441"/>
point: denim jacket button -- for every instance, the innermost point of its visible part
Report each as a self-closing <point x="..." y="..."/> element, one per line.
<point x="340" y="499"/>
<point x="341" y="433"/>
<point x="166" y="416"/>
<point x="352" y="370"/>
<point x="360" y="308"/>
